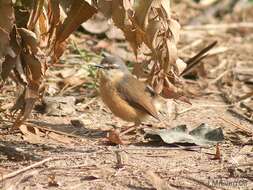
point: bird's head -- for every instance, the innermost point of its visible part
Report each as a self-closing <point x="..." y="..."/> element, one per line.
<point x="112" y="67"/>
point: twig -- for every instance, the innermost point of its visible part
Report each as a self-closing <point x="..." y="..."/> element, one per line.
<point x="195" y="60"/>
<point x="239" y="114"/>
<point x="52" y="130"/>
<point x="200" y="106"/>
<point x="248" y="95"/>
<point x="220" y="26"/>
<point x="17" y="172"/>
<point x="219" y="77"/>
<point x="237" y="126"/>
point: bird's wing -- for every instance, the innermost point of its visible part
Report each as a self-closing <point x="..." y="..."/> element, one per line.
<point x="136" y="94"/>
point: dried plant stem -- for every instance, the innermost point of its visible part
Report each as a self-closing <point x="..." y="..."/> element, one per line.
<point x="237" y="126"/>
<point x="52" y="130"/>
<point x="17" y="172"/>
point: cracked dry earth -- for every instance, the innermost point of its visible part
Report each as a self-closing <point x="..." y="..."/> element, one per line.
<point x="85" y="160"/>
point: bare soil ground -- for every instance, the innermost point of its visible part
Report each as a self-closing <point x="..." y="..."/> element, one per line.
<point x="64" y="146"/>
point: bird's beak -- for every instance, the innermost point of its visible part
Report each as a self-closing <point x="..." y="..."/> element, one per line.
<point x="99" y="66"/>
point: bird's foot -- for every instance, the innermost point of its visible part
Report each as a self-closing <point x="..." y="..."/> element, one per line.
<point x="128" y="130"/>
<point x="133" y="128"/>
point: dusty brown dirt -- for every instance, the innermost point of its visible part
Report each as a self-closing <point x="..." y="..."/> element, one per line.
<point x="81" y="156"/>
<point x="90" y="163"/>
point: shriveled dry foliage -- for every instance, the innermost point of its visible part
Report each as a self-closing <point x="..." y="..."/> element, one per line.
<point x="34" y="34"/>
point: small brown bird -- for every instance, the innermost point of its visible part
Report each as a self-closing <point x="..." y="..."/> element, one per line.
<point x="127" y="97"/>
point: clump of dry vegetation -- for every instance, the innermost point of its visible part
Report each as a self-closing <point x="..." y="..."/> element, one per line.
<point x="33" y="37"/>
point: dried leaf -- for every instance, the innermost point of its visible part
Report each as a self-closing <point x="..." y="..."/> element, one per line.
<point x="29" y="39"/>
<point x="152" y="32"/>
<point x="159" y="86"/>
<point x="35" y="14"/>
<point x="43" y="27"/>
<point x="201" y="135"/>
<point x="80" y="11"/>
<point x="53" y="17"/>
<point x="60" y="138"/>
<point x="25" y="103"/>
<point x="142" y="12"/>
<point x="34" y="67"/>
<point x="59" y="48"/>
<point x="30" y="136"/>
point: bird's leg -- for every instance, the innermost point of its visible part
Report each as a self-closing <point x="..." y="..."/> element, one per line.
<point x="130" y="128"/>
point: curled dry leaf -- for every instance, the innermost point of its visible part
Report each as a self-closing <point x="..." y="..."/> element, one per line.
<point x="79" y="12"/>
<point x="29" y="39"/>
<point x="29" y="134"/>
